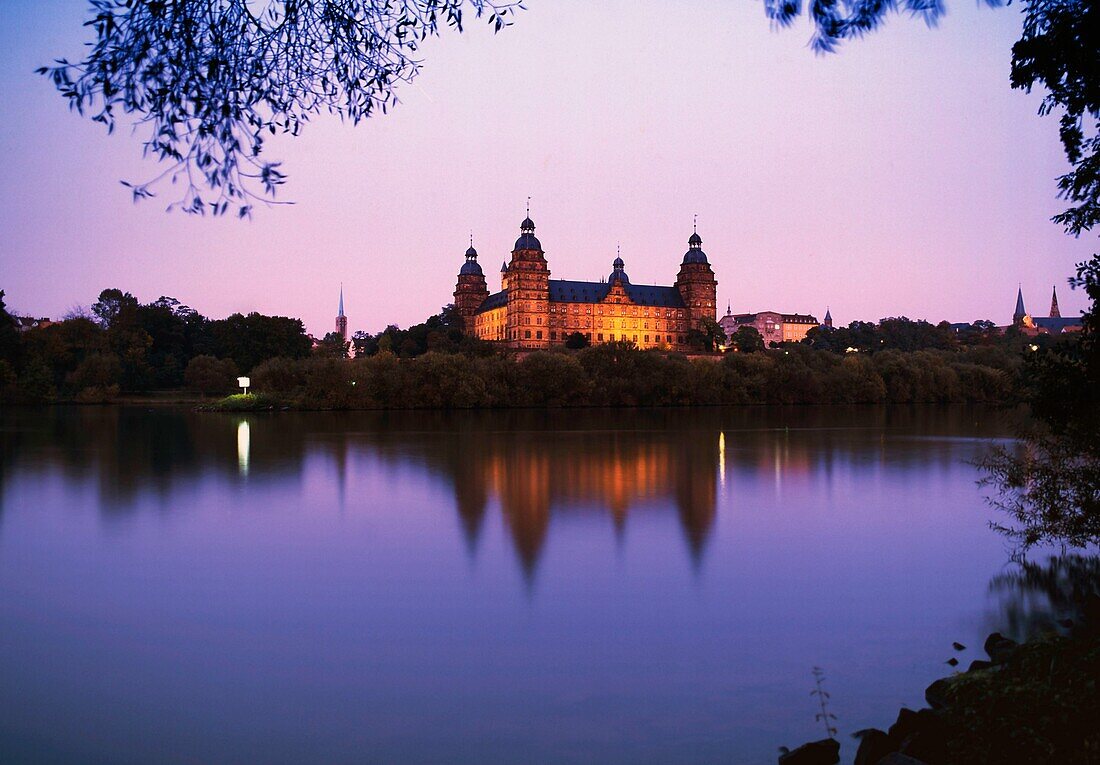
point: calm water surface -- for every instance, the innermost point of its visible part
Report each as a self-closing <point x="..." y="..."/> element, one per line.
<point x="580" y="587"/>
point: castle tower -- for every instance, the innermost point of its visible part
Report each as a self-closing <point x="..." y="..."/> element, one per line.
<point x="470" y="291"/>
<point x="528" y="291"/>
<point x="696" y="283"/>
<point x="1019" y="314"/>
<point x="828" y="318"/>
<point x="1054" y="312"/>
<point x="341" y="319"/>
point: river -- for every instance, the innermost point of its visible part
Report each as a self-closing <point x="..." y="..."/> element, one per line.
<point x="596" y="586"/>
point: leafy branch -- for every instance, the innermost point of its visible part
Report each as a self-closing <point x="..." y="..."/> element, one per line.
<point x="207" y="81"/>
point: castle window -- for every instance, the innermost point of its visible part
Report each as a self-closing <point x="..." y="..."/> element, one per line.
<point x="527" y="334"/>
<point x="635" y="338"/>
<point x="668" y="339"/>
<point x="553" y="335"/>
<point x="538" y="335"/>
<point x="600" y="337"/>
<point x="647" y="338"/>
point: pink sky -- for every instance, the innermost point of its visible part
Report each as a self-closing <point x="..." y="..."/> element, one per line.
<point x="901" y="176"/>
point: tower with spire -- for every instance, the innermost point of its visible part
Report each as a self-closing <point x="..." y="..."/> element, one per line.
<point x="1054" y="312"/>
<point x="341" y="319"/>
<point x="696" y="283"/>
<point x="471" y="290"/>
<point x="528" y="290"/>
<point x="1019" y="314"/>
<point x="828" y="318"/>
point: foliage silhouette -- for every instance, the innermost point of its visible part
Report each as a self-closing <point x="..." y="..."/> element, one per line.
<point x="210" y="80"/>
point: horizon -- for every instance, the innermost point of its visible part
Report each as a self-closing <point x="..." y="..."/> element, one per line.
<point x="912" y="118"/>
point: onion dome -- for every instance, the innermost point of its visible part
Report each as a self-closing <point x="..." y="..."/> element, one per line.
<point x="695" y="252"/>
<point x="527" y="239"/>
<point x="617" y="273"/>
<point x="471" y="267"/>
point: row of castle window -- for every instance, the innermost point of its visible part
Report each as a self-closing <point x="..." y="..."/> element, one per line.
<point x="634" y="310"/>
<point x="599" y="336"/>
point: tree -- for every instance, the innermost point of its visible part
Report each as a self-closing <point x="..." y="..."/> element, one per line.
<point x="332" y="346"/>
<point x="207" y="375"/>
<point x="747" y="339"/>
<point x="576" y="341"/>
<point x="209" y="80"/>
<point x="9" y="334"/>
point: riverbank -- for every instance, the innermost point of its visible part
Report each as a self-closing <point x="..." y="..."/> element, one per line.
<point x="623" y="376"/>
<point x="1035" y="702"/>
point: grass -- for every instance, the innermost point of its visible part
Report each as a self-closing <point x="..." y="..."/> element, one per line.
<point x="243" y="402"/>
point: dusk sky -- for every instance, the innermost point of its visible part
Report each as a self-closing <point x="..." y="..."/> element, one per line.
<point x="901" y="176"/>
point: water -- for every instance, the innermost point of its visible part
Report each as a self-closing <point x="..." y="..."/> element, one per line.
<point x="575" y="587"/>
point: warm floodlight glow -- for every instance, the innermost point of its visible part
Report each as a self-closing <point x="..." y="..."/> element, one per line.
<point x="243" y="444"/>
<point x="722" y="458"/>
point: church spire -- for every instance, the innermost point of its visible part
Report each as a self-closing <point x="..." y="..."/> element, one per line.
<point x="340" y="311"/>
<point x="1054" y="312"/>
<point x="1019" y="314"/>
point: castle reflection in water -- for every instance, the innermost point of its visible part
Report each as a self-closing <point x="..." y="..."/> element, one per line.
<point x="531" y="465"/>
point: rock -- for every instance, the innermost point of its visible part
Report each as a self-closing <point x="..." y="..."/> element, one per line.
<point x="897" y="758"/>
<point x="918" y="734"/>
<point x="936" y="694"/>
<point x="824" y="752"/>
<point x="999" y="648"/>
<point x="874" y="744"/>
<point x="929" y="744"/>
<point x="905" y="726"/>
<point x="978" y="665"/>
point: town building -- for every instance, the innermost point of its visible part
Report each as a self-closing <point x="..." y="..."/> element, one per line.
<point x="27" y="323"/>
<point x="531" y="310"/>
<point x="1054" y="324"/>
<point x="773" y="326"/>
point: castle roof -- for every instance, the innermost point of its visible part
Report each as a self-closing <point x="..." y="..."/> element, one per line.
<point x="793" y="318"/>
<point x="496" y="300"/>
<point x="569" y="291"/>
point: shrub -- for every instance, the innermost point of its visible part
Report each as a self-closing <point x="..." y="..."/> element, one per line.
<point x="208" y="375"/>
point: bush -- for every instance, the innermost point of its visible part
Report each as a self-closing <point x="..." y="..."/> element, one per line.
<point x="208" y="375"/>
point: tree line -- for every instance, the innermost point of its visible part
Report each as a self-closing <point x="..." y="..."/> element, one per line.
<point x="121" y="345"/>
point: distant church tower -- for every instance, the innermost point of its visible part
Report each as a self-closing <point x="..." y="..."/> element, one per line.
<point x="1054" y="312"/>
<point x="341" y="319"/>
<point x="828" y="318"/>
<point x="696" y="283"/>
<point x="1019" y="314"/>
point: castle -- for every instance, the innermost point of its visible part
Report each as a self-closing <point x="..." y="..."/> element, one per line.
<point x="531" y="310"/>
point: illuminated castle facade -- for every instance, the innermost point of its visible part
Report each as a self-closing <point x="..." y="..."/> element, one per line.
<point x="531" y="310"/>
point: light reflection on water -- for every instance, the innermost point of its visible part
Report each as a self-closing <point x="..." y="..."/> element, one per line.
<point x="595" y="586"/>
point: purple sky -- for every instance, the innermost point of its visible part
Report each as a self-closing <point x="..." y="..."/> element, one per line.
<point x="901" y="176"/>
